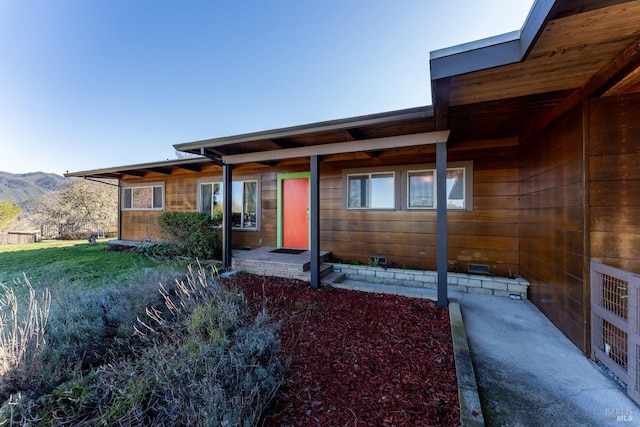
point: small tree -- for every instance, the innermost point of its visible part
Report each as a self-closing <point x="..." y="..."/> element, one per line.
<point x="79" y="208"/>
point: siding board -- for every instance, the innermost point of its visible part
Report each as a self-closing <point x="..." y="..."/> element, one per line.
<point x="552" y="214"/>
<point x="614" y="144"/>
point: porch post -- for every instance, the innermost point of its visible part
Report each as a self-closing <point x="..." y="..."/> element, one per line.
<point x="441" y="191"/>
<point x="314" y="218"/>
<point x="226" y="215"/>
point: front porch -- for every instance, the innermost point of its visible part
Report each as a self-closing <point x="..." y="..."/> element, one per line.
<point x="269" y="261"/>
<point x="290" y="264"/>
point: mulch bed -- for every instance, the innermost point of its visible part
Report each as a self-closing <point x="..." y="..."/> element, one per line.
<point x="358" y="359"/>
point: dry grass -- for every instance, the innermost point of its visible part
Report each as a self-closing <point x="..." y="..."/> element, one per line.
<point x="22" y="337"/>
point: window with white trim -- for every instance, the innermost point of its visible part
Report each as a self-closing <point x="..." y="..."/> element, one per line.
<point x="244" y="202"/>
<point x="371" y="190"/>
<point x="143" y="197"/>
<point x="422" y="185"/>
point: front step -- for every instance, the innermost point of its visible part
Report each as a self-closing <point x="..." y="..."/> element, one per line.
<point x="332" y="277"/>
<point x="325" y="269"/>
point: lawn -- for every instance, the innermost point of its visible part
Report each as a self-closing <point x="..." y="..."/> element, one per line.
<point x="69" y="262"/>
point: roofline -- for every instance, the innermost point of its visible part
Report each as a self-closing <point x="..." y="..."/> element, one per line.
<point x="494" y="51"/>
<point x="370" y="119"/>
<point x="138" y="166"/>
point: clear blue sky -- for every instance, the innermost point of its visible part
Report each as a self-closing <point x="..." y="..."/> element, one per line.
<point x="87" y="84"/>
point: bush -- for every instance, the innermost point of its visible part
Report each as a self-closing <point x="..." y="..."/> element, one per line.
<point x="65" y="331"/>
<point x="196" y="358"/>
<point x="196" y="234"/>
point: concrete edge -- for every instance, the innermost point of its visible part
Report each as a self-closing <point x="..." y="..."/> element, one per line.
<point x="470" y="409"/>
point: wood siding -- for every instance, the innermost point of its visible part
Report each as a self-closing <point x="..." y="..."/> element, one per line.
<point x="181" y="189"/>
<point x="614" y="164"/>
<point x="552" y="234"/>
<point x="488" y="234"/>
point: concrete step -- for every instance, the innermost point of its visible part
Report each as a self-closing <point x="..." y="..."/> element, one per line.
<point x="332" y="277"/>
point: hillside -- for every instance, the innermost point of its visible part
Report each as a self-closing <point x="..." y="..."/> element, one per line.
<point x="20" y="188"/>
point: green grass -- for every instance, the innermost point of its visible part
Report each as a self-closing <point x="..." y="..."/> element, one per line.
<point x="70" y="262"/>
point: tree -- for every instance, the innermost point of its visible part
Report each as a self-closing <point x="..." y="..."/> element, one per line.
<point x="80" y="207"/>
<point x="8" y="213"/>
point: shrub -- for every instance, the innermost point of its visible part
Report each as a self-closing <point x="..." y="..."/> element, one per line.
<point x="198" y="359"/>
<point x="196" y="234"/>
<point x="161" y="250"/>
<point x="66" y="331"/>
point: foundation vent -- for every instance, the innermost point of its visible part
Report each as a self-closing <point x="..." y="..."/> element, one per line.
<point x="480" y="269"/>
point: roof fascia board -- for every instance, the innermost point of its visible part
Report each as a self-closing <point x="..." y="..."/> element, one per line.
<point x="140" y="167"/>
<point x="504" y="49"/>
<point x="491" y="52"/>
<point x="373" y="119"/>
<point x="425" y="138"/>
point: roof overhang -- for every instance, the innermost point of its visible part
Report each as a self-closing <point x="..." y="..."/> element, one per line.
<point x="377" y="144"/>
<point x="370" y="133"/>
<point x="167" y="167"/>
<point x="361" y="133"/>
<point x="493" y="51"/>
<point x="510" y="85"/>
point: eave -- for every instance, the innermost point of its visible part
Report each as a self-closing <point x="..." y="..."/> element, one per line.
<point x="299" y="140"/>
<point x="566" y="52"/>
<point x="166" y="167"/>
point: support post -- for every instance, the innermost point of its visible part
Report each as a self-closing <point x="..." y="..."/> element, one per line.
<point x="227" y="180"/>
<point x="441" y="191"/>
<point x="314" y="217"/>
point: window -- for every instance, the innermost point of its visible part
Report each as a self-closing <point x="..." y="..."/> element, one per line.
<point x="244" y="206"/>
<point x="211" y="200"/>
<point x="407" y="187"/>
<point x="143" y="197"/>
<point x="421" y="189"/>
<point x="371" y="191"/>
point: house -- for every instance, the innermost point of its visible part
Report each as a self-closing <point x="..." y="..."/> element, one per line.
<point x="528" y="162"/>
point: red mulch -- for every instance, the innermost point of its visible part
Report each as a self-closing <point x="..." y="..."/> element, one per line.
<point x="358" y="359"/>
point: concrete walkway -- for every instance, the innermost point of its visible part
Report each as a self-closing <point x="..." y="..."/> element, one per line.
<point x="528" y="373"/>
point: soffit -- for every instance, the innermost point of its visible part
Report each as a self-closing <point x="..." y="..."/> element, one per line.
<point x="396" y="123"/>
<point x="567" y="53"/>
<point x="141" y="170"/>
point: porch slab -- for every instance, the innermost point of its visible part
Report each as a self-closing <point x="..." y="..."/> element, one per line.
<point x="263" y="261"/>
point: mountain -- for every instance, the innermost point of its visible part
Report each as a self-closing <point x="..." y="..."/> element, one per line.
<point x="20" y="188"/>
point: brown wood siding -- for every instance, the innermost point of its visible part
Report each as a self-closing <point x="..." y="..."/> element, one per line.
<point x="180" y="194"/>
<point x="614" y="165"/>
<point x="552" y="213"/>
<point x="488" y="234"/>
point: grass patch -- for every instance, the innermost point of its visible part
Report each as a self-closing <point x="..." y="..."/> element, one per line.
<point x="70" y="262"/>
